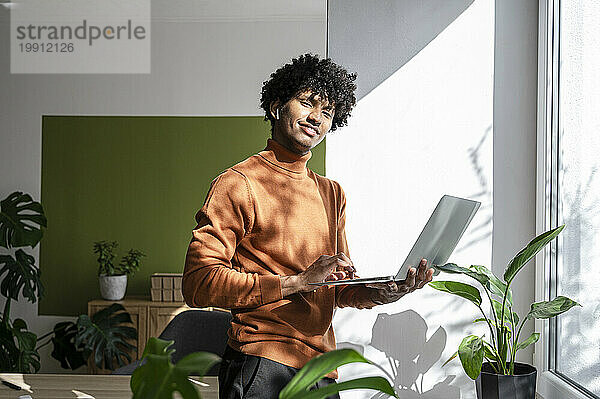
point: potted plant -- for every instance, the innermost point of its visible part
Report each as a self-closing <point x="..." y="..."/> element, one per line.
<point x="113" y="278"/>
<point x="501" y="377"/>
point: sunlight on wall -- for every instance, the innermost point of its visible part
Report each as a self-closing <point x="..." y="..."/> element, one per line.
<point x="424" y="132"/>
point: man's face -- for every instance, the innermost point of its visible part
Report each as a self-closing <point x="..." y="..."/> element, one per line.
<point x="303" y="122"/>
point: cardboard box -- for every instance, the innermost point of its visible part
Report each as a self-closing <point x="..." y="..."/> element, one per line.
<point x="167" y="283"/>
<point x="167" y="295"/>
<point x="177" y="296"/>
<point x="166" y="287"/>
<point x="156" y="282"/>
<point x="177" y="282"/>
<point x="156" y="294"/>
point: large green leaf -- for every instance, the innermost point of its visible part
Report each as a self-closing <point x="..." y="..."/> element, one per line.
<point x="470" y="352"/>
<point x="527" y="253"/>
<point x="21" y="274"/>
<point x="451" y="268"/>
<point x="21" y="220"/>
<point x="375" y="383"/>
<point x="547" y="309"/>
<point x="159" y="378"/>
<point x="455" y="269"/>
<point x="461" y="289"/>
<point x="318" y="367"/>
<point x="28" y="360"/>
<point x="534" y="337"/>
<point x="481" y="274"/>
<point x="65" y="351"/>
<point x="105" y="336"/>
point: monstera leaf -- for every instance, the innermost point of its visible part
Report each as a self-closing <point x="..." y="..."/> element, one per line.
<point x="159" y="378"/>
<point x="317" y="368"/>
<point x="28" y="360"/>
<point x="21" y="274"/>
<point x="8" y="348"/>
<point x="65" y="351"/>
<point x="21" y="220"/>
<point x="105" y="336"/>
<point x="17" y="348"/>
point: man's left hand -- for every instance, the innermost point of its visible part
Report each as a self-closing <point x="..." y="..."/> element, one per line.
<point x="392" y="291"/>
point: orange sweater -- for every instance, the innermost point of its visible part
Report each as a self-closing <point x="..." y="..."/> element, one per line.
<point x="270" y="216"/>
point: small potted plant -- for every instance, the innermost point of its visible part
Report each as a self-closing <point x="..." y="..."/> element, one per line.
<point x="113" y="278"/>
<point x="501" y="377"/>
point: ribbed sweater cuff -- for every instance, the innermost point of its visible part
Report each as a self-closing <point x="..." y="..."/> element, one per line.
<point x="270" y="288"/>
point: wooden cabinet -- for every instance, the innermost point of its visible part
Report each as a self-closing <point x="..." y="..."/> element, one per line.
<point x="160" y="316"/>
<point x="149" y="319"/>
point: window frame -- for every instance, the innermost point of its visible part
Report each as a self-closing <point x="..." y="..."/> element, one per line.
<point x="549" y="384"/>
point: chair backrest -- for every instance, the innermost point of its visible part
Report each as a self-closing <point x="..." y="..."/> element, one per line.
<point x="198" y="330"/>
<point x="193" y="331"/>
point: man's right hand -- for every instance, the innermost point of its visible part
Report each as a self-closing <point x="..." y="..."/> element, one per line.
<point x="326" y="268"/>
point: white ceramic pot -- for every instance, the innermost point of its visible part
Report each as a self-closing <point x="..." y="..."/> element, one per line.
<point x="112" y="288"/>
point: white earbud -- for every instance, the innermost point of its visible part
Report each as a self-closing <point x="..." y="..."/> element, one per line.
<point x="277" y="114"/>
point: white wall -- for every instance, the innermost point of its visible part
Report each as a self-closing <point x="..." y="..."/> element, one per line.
<point x="423" y="129"/>
<point x="208" y="58"/>
<point x="429" y="97"/>
<point x="515" y="115"/>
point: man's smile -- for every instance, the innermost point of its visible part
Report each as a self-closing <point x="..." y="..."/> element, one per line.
<point x="312" y="132"/>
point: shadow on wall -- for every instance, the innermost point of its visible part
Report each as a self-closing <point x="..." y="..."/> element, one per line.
<point x="409" y="363"/>
<point x="483" y="230"/>
<point x="402" y="30"/>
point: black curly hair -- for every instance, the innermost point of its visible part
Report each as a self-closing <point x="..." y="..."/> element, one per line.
<point x="321" y="76"/>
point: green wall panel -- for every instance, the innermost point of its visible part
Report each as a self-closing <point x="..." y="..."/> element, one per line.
<point x="138" y="180"/>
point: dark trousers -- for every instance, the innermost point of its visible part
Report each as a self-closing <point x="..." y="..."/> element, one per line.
<point x="244" y="376"/>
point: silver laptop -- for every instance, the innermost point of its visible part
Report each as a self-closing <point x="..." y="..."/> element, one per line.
<point x="436" y="242"/>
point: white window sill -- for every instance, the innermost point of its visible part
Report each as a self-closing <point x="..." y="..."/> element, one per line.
<point x="550" y="386"/>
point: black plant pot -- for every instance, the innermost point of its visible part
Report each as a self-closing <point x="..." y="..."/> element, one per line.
<point x="490" y="385"/>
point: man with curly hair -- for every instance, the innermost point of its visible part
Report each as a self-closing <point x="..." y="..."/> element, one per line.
<point x="269" y="227"/>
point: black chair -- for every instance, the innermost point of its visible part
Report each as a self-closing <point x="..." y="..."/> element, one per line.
<point x="193" y="331"/>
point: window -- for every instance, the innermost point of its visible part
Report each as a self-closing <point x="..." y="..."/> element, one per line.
<point x="569" y="193"/>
